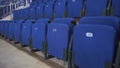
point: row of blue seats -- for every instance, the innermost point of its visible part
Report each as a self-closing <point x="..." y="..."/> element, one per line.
<point x="8" y="9"/>
<point x="69" y="8"/>
<point x="5" y="11"/>
<point x="92" y="43"/>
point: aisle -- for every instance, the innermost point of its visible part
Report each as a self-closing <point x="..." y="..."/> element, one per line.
<point x="11" y="57"/>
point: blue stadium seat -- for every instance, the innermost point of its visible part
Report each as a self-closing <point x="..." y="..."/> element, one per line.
<point x="26" y="13"/>
<point x="58" y="37"/>
<point x="2" y="27"/>
<point x="7" y="29"/>
<point x="48" y="10"/>
<point x="11" y="30"/>
<point x="39" y="11"/>
<point x="60" y="9"/>
<point x="20" y="14"/>
<point x="33" y="12"/>
<point x="39" y="30"/>
<point x="115" y="7"/>
<point x="75" y="8"/>
<point x="67" y="21"/>
<point x="18" y="30"/>
<point x="102" y="20"/>
<point x="96" y="7"/>
<point x="51" y="1"/>
<point x="93" y="45"/>
<point x="26" y="32"/>
<point x="16" y="14"/>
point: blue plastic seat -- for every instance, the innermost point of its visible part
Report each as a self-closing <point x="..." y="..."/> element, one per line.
<point x="115" y="7"/>
<point x="39" y="30"/>
<point x="2" y="27"/>
<point x="68" y="21"/>
<point x="7" y="29"/>
<point x="26" y="13"/>
<point x="22" y="14"/>
<point x="58" y="37"/>
<point x="75" y="8"/>
<point x="102" y="20"/>
<point x="16" y="14"/>
<point x="39" y="11"/>
<point x="48" y="10"/>
<point x="26" y="32"/>
<point x="60" y="9"/>
<point x="33" y="13"/>
<point x="93" y="45"/>
<point x="18" y="30"/>
<point x="11" y="30"/>
<point x="96" y="7"/>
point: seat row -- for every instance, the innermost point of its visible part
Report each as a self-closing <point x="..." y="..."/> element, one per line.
<point x="69" y="8"/>
<point x="92" y="43"/>
<point x="8" y="9"/>
<point x="4" y="11"/>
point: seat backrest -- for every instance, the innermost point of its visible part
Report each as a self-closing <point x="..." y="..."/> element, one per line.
<point x="26" y="31"/>
<point x="33" y="13"/>
<point x="18" y="30"/>
<point x="93" y="45"/>
<point x="75" y="8"/>
<point x="96" y="7"/>
<point x="39" y="32"/>
<point x="58" y="39"/>
<point x="60" y="9"/>
<point x="68" y="21"/>
<point x="102" y="20"/>
<point x="11" y="29"/>
<point x="48" y="10"/>
<point x="58" y="36"/>
<point x="26" y="13"/>
<point x="39" y="11"/>
<point x="115" y="7"/>
<point x="45" y="21"/>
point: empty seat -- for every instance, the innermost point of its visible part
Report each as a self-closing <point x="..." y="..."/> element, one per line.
<point x="11" y="30"/>
<point x="15" y="14"/>
<point x="26" y="13"/>
<point x="93" y="45"/>
<point x="60" y="9"/>
<point x="20" y="15"/>
<point x="7" y="29"/>
<point x="68" y="21"/>
<point x="2" y="28"/>
<point x="39" y="30"/>
<point x="58" y="37"/>
<point x="75" y="8"/>
<point x="33" y="13"/>
<point x="48" y="10"/>
<point x="39" y="11"/>
<point x="102" y="20"/>
<point x="18" y="30"/>
<point x="26" y="32"/>
<point x="115" y="7"/>
<point x="96" y="7"/>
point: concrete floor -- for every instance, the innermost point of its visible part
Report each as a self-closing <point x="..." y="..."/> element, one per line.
<point x="11" y="57"/>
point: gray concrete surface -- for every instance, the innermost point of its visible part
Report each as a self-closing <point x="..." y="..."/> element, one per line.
<point x="11" y="57"/>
